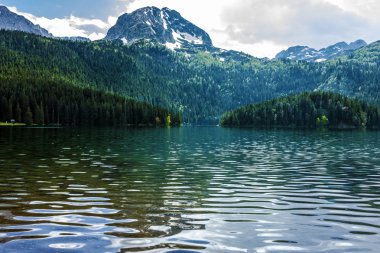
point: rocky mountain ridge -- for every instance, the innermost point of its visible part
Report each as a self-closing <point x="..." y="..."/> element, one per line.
<point x="305" y="53"/>
<point x="166" y="26"/>
<point x="12" y="21"/>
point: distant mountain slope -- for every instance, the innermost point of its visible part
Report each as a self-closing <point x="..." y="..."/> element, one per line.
<point x="304" y="53"/>
<point x="201" y="86"/>
<point x="356" y="75"/>
<point x="12" y="21"/>
<point x="166" y="26"/>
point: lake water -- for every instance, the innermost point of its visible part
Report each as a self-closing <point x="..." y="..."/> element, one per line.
<point x="188" y="190"/>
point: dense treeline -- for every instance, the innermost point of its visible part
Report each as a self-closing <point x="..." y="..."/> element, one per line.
<point x="307" y="110"/>
<point x="202" y="85"/>
<point x="356" y="75"/>
<point x="43" y="102"/>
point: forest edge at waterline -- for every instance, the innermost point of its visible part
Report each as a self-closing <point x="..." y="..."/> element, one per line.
<point x="309" y="110"/>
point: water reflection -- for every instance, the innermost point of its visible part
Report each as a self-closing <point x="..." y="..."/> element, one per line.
<point x="188" y="190"/>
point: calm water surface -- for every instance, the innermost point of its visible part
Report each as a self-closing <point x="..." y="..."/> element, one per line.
<point x="188" y="190"/>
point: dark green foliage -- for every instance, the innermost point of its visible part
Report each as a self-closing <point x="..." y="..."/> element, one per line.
<point x="45" y="102"/>
<point x="28" y="118"/>
<point x="307" y="110"/>
<point x="201" y="86"/>
<point x="356" y="75"/>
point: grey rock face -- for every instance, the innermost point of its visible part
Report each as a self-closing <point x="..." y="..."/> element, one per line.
<point x="357" y="44"/>
<point x="165" y="26"/>
<point x="299" y="53"/>
<point x="14" y="22"/>
<point x="303" y="53"/>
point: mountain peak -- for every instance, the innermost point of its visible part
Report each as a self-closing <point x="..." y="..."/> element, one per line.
<point x="357" y="44"/>
<point x="303" y="53"/>
<point x="297" y="53"/>
<point x="12" y="21"/>
<point x="144" y="10"/>
<point x="3" y="8"/>
<point x="164" y="25"/>
<point x="341" y="44"/>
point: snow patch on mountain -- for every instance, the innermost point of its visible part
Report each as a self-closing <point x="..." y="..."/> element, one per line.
<point x="164" y="20"/>
<point x="165" y="26"/>
<point x="124" y="40"/>
<point x="304" y="53"/>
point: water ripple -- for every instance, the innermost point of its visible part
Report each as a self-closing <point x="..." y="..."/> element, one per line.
<point x="189" y="190"/>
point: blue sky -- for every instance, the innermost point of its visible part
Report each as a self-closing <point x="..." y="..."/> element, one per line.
<point x="61" y="8"/>
<point x="258" y="27"/>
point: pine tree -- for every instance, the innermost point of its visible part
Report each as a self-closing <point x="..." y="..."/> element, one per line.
<point x="28" y="117"/>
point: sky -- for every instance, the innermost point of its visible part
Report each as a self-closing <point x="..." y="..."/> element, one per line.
<point x="258" y="27"/>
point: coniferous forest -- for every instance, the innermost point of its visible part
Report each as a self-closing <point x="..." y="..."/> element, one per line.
<point x="200" y="86"/>
<point x="307" y="110"/>
<point x="45" y="102"/>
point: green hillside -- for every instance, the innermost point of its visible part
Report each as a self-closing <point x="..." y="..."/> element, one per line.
<point x="200" y="86"/>
<point x="356" y="75"/>
<point x="47" y="102"/>
<point x="307" y="110"/>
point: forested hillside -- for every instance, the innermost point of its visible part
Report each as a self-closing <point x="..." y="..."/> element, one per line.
<point x="307" y="110"/>
<point x="356" y="75"/>
<point x="201" y="86"/>
<point x="47" y="102"/>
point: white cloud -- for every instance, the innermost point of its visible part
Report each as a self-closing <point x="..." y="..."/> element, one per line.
<point x="368" y="9"/>
<point x="315" y="23"/>
<point x="262" y="49"/>
<point x="71" y="25"/>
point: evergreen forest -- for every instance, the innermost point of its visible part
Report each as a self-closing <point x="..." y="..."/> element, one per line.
<point x="197" y="88"/>
<point x="306" y="110"/>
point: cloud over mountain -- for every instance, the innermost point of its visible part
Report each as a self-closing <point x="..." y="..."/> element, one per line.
<point x="71" y="25"/>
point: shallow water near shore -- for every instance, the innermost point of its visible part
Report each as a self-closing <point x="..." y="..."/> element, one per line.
<point x="201" y="189"/>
